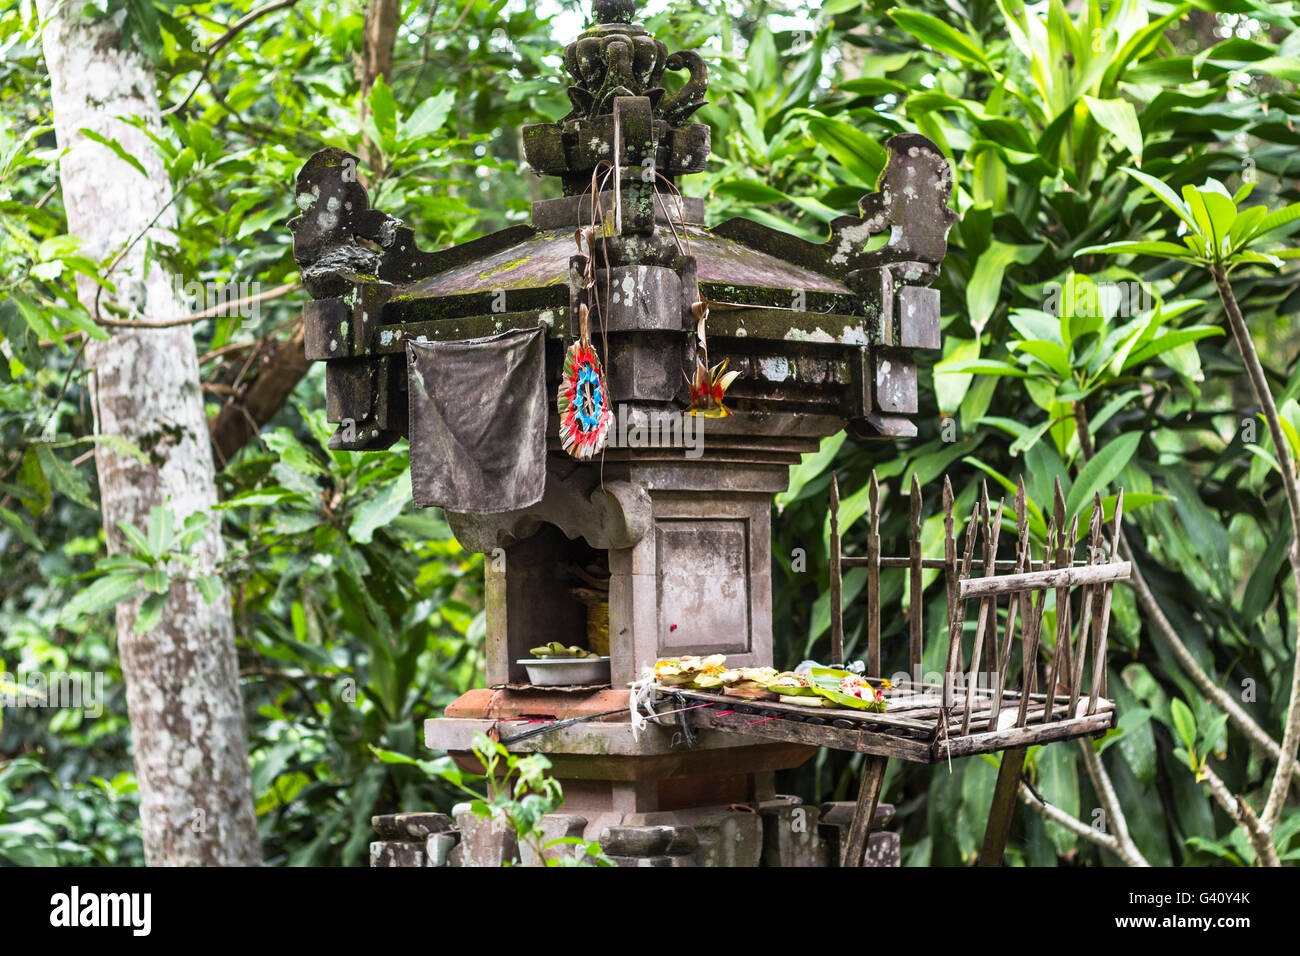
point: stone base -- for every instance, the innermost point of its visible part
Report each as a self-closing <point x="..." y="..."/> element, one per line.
<point x="780" y="832"/>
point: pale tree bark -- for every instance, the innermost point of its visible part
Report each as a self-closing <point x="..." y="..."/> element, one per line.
<point x="187" y="720"/>
<point x="378" y="38"/>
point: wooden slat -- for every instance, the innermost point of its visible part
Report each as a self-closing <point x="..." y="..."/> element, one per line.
<point x="1061" y="665"/>
<point x="1086" y="604"/>
<point x="954" y="747"/>
<point x="1033" y="625"/>
<point x="825" y="735"/>
<point x="957" y="617"/>
<point x="1045" y="580"/>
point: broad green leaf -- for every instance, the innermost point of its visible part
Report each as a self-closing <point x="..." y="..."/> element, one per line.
<point x="1101" y="470"/>
<point x="985" y="286"/>
<point x="939" y="36"/>
<point x="810" y="465"/>
<point x="1184" y="722"/>
<point x="382" y="508"/>
<point x="853" y="149"/>
<point x="1120" y="119"/>
<point x="1165" y="194"/>
<point x="117" y="149"/>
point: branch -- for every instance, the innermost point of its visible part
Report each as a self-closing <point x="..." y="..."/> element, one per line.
<point x="217" y="310"/>
<point x="1237" y="716"/>
<point x="1058" y="816"/>
<point x="1109" y="801"/>
<point x="1242" y="814"/>
<point x="1277" y="791"/>
<point x="235" y="29"/>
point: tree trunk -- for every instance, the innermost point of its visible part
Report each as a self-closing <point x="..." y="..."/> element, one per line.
<point x="377" y="40"/>
<point x="187" y="720"/>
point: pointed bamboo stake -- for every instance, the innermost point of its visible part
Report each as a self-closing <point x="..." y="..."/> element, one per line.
<point x="837" y="580"/>
<point x="1103" y="618"/>
<point x="915" y="583"/>
<point x="957" y="620"/>
<point x="949" y="561"/>
<point x="991" y="532"/>
<point x="873" y="582"/>
<point x="1014" y="603"/>
<point x="1062" y="664"/>
<point x="1086" y="608"/>
<point x="1033" y="628"/>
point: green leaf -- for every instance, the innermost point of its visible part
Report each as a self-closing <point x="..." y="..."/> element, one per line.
<point x="117" y="149"/>
<point x="382" y="508"/>
<point x="19" y="527"/>
<point x="1120" y="119"/>
<point x="983" y="367"/>
<point x="1170" y="340"/>
<point x="137" y="539"/>
<point x="940" y="37"/>
<point x="429" y="116"/>
<point x="1184" y="722"/>
<point x="1166" y="195"/>
<point x="1276" y="220"/>
<point x="811" y="464"/>
<point x="383" y="111"/>
<point x="151" y="611"/>
<point x="1164" y="250"/>
<point x="860" y="155"/>
<point x="65" y="478"/>
<point x="104" y="593"/>
<point x="1101" y="470"/>
<point x="160" y="529"/>
<point x="1049" y="353"/>
<point x="985" y="286"/>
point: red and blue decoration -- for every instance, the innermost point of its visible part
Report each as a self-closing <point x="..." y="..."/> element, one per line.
<point x="583" y="401"/>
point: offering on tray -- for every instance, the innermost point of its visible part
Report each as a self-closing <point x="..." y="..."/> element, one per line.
<point x="847" y="689"/>
<point x="703" y="673"/>
<point x="557" y="651"/>
<point x="813" y="701"/>
<point x="790" y="684"/>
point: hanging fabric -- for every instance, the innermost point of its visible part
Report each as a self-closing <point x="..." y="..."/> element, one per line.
<point x="478" y="422"/>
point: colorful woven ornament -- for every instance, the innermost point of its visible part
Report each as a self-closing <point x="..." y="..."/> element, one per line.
<point x="708" y="387"/>
<point x="583" y="398"/>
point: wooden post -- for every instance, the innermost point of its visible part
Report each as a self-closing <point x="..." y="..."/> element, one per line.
<point x="837" y="579"/>
<point x="1003" y="808"/>
<point x="873" y="776"/>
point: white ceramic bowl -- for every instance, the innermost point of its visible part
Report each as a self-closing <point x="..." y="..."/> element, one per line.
<point x="557" y="671"/>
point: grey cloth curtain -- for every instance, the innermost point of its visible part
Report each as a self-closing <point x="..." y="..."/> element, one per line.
<point x="478" y="422"/>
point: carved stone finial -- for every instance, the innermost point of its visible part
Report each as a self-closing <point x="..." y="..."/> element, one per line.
<point x="613" y="11"/>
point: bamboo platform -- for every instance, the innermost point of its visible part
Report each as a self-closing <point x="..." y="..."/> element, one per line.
<point x="936" y="723"/>
<point x="915" y="726"/>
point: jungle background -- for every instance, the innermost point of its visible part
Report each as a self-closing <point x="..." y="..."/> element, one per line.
<point x="357" y="616"/>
